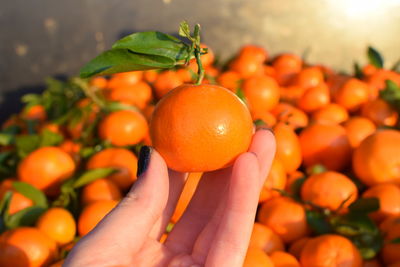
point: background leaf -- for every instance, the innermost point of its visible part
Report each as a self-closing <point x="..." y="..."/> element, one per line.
<point x="25" y="217"/>
<point x="365" y="205"/>
<point x="49" y="138"/>
<point x="25" y="144"/>
<point x="31" y="192"/>
<point x="318" y="222"/>
<point x="375" y="57"/>
<point x="123" y="60"/>
<point x="92" y="175"/>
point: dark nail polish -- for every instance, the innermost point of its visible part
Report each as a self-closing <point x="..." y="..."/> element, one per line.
<point x="144" y="159"/>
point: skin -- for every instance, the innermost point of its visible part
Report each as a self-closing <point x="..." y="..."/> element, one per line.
<point x="214" y="230"/>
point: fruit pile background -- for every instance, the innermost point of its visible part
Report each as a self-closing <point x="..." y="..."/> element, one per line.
<point x="333" y="191"/>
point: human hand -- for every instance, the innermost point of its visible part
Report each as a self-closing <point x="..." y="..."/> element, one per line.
<point x="214" y="230"/>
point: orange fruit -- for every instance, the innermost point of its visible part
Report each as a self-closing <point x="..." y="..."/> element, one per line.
<point x="309" y="77"/>
<point x="101" y="189"/>
<point x="353" y="94"/>
<point x="264" y="238"/>
<point x="58" y="263"/>
<point x="287" y="113"/>
<point x="192" y="140"/>
<point x="92" y="214"/>
<point x="283" y="259"/>
<point x="389" y="200"/>
<point x="230" y="80"/>
<point x="187" y="193"/>
<point x="72" y="148"/>
<point x="138" y="95"/>
<point x="124" y="127"/>
<point x="358" y="128"/>
<point x="377" y="158"/>
<point x="267" y="118"/>
<point x="297" y="246"/>
<point x="99" y="82"/>
<point x="287" y="147"/>
<point x="372" y="263"/>
<point x="165" y="82"/>
<point x="58" y="224"/>
<point x="26" y="246"/>
<point x="377" y="80"/>
<point x="89" y="113"/>
<point x="124" y="79"/>
<point x="36" y="112"/>
<point x="330" y="250"/>
<point x="52" y="127"/>
<point x="208" y="58"/>
<point x="292" y="94"/>
<point x="276" y="179"/>
<point x="388" y="223"/>
<point x="150" y="75"/>
<point x="250" y="61"/>
<point x="380" y="112"/>
<point x="314" y="98"/>
<point x="331" y="113"/>
<point x="285" y="217"/>
<point x="122" y="159"/>
<point x="18" y="201"/>
<point x="329" y="190"/>
<point x="390" y="251"/>
<point x="269" y="71"/>
<point x="256" y="257"/>
<point x="46" y="168"/>
<point x="255" y="52"/>
<point x="261" y="92"/>
<point x="325" y="144"/>
<point x="369" y="69"/>
<point x="396" y="264"/>
<point x="286" y="67"/>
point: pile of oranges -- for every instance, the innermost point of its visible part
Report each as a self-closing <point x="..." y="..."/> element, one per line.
<point x="332" y="197"/>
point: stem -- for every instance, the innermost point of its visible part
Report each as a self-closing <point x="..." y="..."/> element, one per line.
<point x="89" y="92"/>
<point x="200" y="72"/>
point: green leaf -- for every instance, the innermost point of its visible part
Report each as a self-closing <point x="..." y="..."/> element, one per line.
<point x="123" y="60"/>
<point x="318" y="222"/>
<point x="6" y="139"/>
<point x="359" y="223"/>
<point x="375" y="57"/>
<point x="155" y="44"/>
<point x="92" y="175"/>
<point x="316" y="169"/>
<point x="240" y="94"/>
<point x="25" y="144"/>
<point x="184" y="29"/>
<point x="365" y="205"/>
<point x="391" y="94"/>
<point x="4" y="207"/>
<point x="49" y="138"/>
<point x="395" y="241"/>
<point x="116" y="106"/>
<point x="25" y="217"/>
<point x="396" y="66"/>
<point x="31" y="192"/>
<point x="357" y="71"/>
<point x="259" y="122"/>
<point x="296" y="187"/>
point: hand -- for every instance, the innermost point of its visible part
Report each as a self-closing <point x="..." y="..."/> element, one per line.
<point x="214" y="230"/>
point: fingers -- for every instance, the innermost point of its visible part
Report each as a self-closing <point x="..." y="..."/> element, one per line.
<point x="131" y="221"/>
<point x="233" y="234"/>
<point x="264" y="146"/>
<point x="176" y="184"/>
<point x="201" y="208"/>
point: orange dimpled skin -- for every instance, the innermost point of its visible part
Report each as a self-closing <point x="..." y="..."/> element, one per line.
<point x="325" y="144"/>
<point x="122" y="128"/>
<point x="120" y="158"/>
<point x="18" y="201"/>
<point x="58" y="224"/>
<point x="358" y="128"/>
<point x="26" y="246"/>
<point x="46" y="168"/>
<point x="101" y="189"/>
<point x="264" y="238"/>
<point x="380" y="112"/>
<point x="285" y="217"/>
<point x="276" y="180"/>
<point x="377" y="159"/>
<point x="93" y="213"/>
<point x="284" y="259"/>
<point x="287" y="147"/>
<point x="331" y="113"/>
<point x="329" y="190"/>
<point x="198" y="128"/>
<point x="256" y="257"/>
<point x="352" y="94"/>
<point x="329" y="251"/>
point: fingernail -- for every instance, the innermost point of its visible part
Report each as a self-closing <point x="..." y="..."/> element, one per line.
<point x="267" y="129"/>
<point x="144" y="159"/>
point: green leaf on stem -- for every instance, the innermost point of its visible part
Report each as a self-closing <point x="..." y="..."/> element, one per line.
<point x="318" y="222"/>
<point x="391" y="94"/>
<point x="31" y="192"/>
<point x="25" y="144"/>
<point x="49" y="138"/>
<point x="25" y="217"/>
<point x="357" y="71"/>
<point x="184" y="29"/>
<point x="365" y="205"/>
<point x="395" y="241"/>
<point x="375" y="57"/>
<point x="92" y="175"/>
<point x="396" y="66"/>
<point x="156" y="44"/>
<point x="123" y="60"/>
